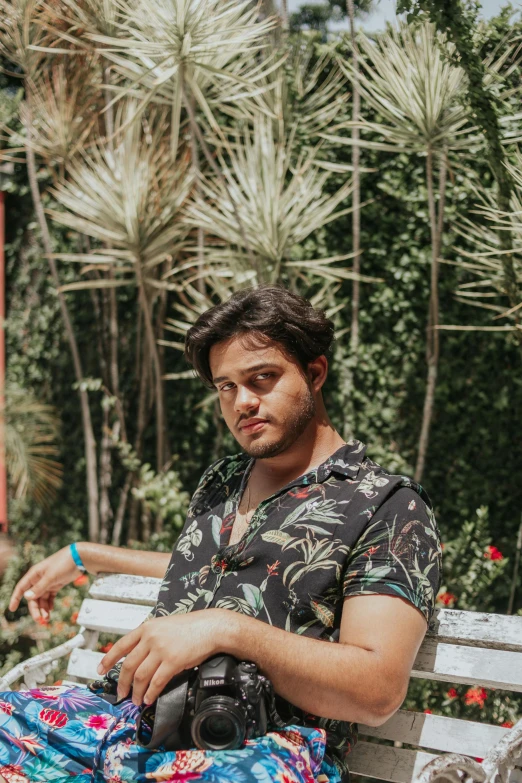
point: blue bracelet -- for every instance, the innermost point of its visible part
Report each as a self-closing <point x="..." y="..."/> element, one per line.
<point x="76" y="557"/>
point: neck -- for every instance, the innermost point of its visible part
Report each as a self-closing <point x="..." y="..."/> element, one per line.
<point x="318" y="442"/>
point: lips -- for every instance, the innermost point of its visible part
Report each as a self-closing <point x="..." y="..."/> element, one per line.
<point x="251" y="426"/>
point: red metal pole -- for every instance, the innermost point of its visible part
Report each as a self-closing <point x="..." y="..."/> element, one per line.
<point x="3" y="475"/>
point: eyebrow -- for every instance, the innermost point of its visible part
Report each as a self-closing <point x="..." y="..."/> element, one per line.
<point x="254" y="368"/>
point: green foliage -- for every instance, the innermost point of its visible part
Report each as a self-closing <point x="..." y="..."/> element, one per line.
<point x="162" y="494"/>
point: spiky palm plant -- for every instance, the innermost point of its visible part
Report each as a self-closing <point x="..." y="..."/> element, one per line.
<point x="486" y="260"/>
<point x="172" y="50"/>
<point x="280" y="195"/>
<point x="61" y="109"/>
<point x="31" y="431"/>
<point x="128" y="196"/>
<point x="408" y="77"/>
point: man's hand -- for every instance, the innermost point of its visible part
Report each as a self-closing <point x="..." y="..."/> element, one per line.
<point x="161" y="648"/>
<point x="43" y="581"/>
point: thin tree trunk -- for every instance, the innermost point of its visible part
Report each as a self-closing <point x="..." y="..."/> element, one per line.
<point x="356" y="197"/>
<point x="158" y="380"/>
<point x="201" y="233"/>
<point x="89" y="440"/>
<point x="432" y="333"/>
<point x="113" y="359"/>
<point x="105" y="476"/>
<point x="516" y="565"/>
<point x="284" y="13"/>
<point x="215" y="168"/>
<point x="120" y="512"/>
<point x="143" y="370"/>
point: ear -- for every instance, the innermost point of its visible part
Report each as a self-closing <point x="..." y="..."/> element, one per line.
<point x="318" y="372"/>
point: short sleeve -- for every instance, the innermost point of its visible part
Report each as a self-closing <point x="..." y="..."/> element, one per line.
<point x="398" y="554"/>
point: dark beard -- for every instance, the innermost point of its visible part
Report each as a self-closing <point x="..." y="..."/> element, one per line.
<point x="297" y="423"/>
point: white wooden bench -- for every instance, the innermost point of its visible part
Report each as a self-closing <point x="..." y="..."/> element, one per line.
<point x="460" y="647"/>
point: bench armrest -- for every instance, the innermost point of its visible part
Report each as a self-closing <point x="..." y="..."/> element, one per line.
<point x="36" y="669"/>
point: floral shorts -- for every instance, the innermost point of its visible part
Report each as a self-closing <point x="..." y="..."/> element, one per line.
<point x="60" y="732"/>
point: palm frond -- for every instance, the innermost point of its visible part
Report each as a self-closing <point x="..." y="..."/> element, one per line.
<point x="415" y="87"/>
<point x="62" y="112"/>
<point x="484" y="261"/>
<point x="280" y="197"/>
<point x="128" y="194"/>
<point x="31" y="430"/>
<point x="21" y="30"/>
<point x="208" y="45"/>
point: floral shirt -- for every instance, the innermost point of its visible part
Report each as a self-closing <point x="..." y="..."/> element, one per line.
<point x="345" y="528"/>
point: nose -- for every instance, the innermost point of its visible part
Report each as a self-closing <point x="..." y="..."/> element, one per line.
<point x="246" y="400"/>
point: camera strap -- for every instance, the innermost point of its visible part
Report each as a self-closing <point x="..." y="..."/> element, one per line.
<point x="164" y="717"/>
<point x="273" y="715"/>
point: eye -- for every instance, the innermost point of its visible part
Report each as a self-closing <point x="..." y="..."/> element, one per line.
<point x="226" y="387"/>
<point x="264" y="375"/>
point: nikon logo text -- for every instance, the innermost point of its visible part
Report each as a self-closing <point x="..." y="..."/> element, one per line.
<point x="211" y="683"/>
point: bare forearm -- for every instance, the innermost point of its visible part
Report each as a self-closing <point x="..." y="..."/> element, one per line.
<point x="99" y="558"/>
<point x="329" y="680"/>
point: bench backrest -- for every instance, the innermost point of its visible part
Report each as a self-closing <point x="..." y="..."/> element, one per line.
<point x="460" y="647"/>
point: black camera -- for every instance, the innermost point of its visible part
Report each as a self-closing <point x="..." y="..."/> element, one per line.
<point x="216" y="706"/>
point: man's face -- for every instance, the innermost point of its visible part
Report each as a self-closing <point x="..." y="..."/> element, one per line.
<point x="266" y="399"/>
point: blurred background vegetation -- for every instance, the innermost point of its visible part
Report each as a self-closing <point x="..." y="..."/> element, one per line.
<point x="156" y="157"/>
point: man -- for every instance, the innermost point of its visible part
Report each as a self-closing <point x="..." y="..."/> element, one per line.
<point x="298" y="542"/>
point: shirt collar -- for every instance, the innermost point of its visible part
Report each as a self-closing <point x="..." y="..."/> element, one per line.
<point x="346" y="461"/>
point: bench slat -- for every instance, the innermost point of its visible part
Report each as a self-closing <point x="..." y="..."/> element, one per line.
<point x="437" y="732"/>
<point x="496" y="631"/>
<point x="469" y="665"/>
<point x="386" y="763"/>
<point x="111" y="616"/>
<point x="125" y="588"/>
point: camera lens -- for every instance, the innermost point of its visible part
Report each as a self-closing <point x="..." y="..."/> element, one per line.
<point x="219" y="724"/>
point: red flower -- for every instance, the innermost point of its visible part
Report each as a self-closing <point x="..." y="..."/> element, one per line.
<point x="43" y="621"/>
<point x="428" y="712"/>
<point x="452" y="694"/>
<point x="53" y="718"/>
<point x="507" y="724"/>
<point x="272" y="569"/>
<point x="6" y="707"/>
<point x="492" y="553"/>
<point x="476" y="696"/>
<point x="371" y="551"/>
<point x="74" y="617"/>
<point x="447" y="599"/>
<point x="477" y="758"/>
<point x="81" y="580"/>
<point x="107" y="647"/>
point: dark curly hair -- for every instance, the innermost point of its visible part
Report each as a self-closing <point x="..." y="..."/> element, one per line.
<point x="268" y="313"/>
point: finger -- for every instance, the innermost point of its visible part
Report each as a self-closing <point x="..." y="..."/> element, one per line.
<point x="34" y="609"/>
<point x="25" y="583"/>
<point x="162" y="676"/>
<point x="37" y="590"/>
<point x="128" y="670"/>
<point x="143" y="677"/>
<point x="122" y="647"/>
<point x="43" y="603"/>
